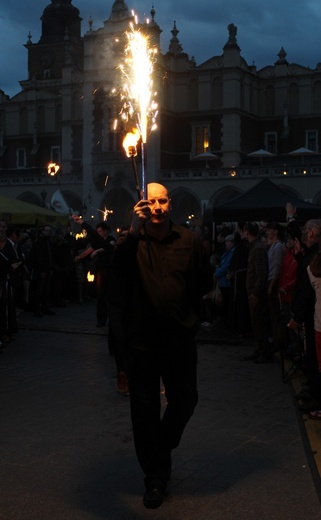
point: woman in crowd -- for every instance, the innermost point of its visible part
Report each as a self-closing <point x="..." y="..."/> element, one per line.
<point x="314" y="272"/>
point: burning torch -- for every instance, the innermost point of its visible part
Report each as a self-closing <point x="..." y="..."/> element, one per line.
<point x="130" y="146"/>
<point x="138" y="96"/>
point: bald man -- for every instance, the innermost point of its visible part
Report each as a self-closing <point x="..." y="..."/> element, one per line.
<point x="167" y="273"/>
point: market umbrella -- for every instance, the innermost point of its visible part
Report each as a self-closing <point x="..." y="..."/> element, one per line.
<point x="261" y="154"/>
<point x="18" y="212"/>
<point x="302" y="152"/>
<point x="205" y="156"/>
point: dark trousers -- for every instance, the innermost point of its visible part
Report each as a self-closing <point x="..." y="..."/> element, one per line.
<point x="102" y="296"/>
<point x="260" y="325"/>
<point x="156" y="436"/>
<point x="41" y="290"/>
<point x="274" y="308"/>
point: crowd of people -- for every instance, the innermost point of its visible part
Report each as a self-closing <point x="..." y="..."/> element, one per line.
<point x="41" y="269"/>
<point x="154" y="285"/>
<point x="266" y="286"/>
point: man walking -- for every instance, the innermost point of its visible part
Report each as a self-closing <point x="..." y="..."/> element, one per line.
<point x="167" y="273"/>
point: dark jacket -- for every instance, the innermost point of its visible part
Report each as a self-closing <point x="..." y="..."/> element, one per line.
<point x="303" y="298"/>
<point x="103" y="259"/>
<point x="165" y="282"/>
<point x="257" y="269"/>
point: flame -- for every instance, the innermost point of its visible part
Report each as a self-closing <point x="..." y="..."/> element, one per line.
<point x="53" y="169"/>
<point x="130" y="142"/>
<point x="90" y="277"/>
<point x="138" y="94"/>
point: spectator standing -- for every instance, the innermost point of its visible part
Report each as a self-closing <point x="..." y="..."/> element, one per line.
<point x="62" y="267"/>
<point x="274" y="236"/>
<point x="302" y="307"/>
<point x="239" y="303"/>
<point x="12" y="252"/>
<point x="287" y="281"/>
<point x="222" y="272"/>
<point x="26" y="246"/>
<point x="6" y="293"/>
<point x="40" y="262"/>
<point x="314" y="273"/>
<point x="256" y="286"/>
<point x="102" y="244"/>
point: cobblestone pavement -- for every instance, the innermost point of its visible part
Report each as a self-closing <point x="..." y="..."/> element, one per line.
<point x="67" y="451"/>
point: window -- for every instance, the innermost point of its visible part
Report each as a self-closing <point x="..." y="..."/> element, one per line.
<point x="21" y="158"/>
<point x="55" y="154"/>
<point x="270" y="142"/>
<point x="200" y="139"/>
<point x="311" y="140"/>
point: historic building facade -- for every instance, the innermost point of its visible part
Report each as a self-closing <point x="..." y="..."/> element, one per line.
<point x="212" y="117"/>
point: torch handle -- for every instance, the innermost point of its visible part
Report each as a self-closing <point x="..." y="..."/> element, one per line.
<point x="138" y="190"/>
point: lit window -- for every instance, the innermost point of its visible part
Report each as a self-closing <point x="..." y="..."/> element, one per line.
<point x="200" y="140"/>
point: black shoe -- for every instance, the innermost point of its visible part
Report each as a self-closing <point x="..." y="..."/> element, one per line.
<point x="153" y="497"/>
<point x="251" y="357"/>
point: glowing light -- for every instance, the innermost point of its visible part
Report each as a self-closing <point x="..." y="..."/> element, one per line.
<point x="90" y="277"/>
<point x="79" y="235"/>
<point x="106" y="212"/>
<point x="53" y="169"/>
<point x="130" y="143"/>
<point x="138" y="94"/>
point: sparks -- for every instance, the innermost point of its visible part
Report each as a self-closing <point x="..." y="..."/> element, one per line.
<point x="138" y="93"/>
<point x="106" y="212"/>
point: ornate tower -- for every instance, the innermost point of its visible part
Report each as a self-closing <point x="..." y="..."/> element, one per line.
<point x="61" y="24"/>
